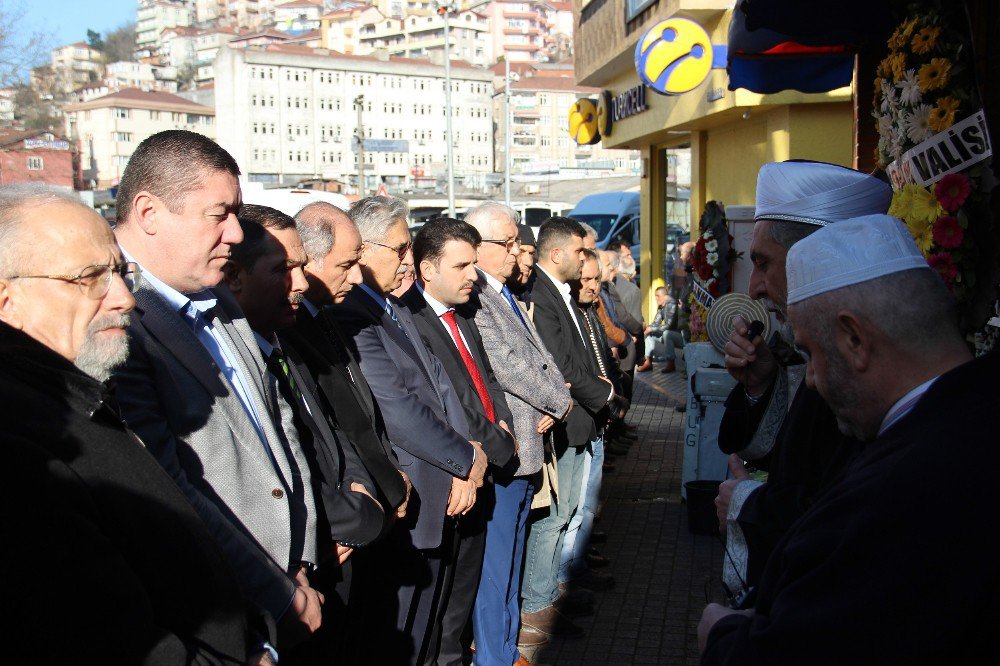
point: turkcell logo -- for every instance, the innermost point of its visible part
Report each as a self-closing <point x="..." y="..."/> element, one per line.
<point x="676" y="55"/>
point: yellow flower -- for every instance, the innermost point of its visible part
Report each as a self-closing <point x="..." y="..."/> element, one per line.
<point x="902" y="201"/>
<point x="925" y="40"/>
<point x="908" y="26"/>
<point x="923" y="234"/>
<point x="897" y="64"/>
<point x="924" y="206"/>
<point x="897" y="41"/>
<point x="943" y="115"/>
<point x="884" y="69"/>
<point x="934" y="74"/>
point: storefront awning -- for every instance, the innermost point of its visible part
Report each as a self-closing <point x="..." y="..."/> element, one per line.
<point x="777" y="45"/>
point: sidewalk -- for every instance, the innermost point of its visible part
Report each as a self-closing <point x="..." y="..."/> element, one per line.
<point x="664" y="574"/>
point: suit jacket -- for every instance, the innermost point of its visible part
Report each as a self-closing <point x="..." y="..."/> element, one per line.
<point x="354" y="519"/>
<point x="348" y="401"/>
<point x="896" y="561"/>
<point x="423" y="415"/>
<point x="497" y="444"/>
<point x="175" y="397"/>
<point x="524" y="369"/>
<point x="631" y="297"/>
<point x="577" y="364"/>
<point x="131" y="573"/>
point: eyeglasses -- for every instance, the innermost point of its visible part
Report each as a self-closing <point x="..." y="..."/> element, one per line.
<point x="400" y="250"/>
<point x="509" y="244"/>
<point x="95" y="281"/>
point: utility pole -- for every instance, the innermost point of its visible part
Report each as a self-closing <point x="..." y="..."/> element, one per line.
<point x="506" y="131"/>
<point x="445" y="10"/>
<point x="359" y="102"/>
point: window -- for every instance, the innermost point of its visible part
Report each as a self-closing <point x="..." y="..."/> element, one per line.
<point x="121" y="136"/>
<point x="36" y="164"/>
<point x="121" y="114"/>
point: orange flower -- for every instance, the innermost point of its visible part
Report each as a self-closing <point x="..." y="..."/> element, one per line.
<point x="934" y="74"/>
<point x="897" y="41"/>
<point x="925" y="40"/>
<point x="943" y="115"/>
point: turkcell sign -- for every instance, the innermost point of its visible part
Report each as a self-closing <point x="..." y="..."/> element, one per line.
<point x="955" y="149"/>
<point x="629" y="103"/>
<point x="387" y="145"/>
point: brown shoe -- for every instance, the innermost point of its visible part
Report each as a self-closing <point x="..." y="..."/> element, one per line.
<point x="645" y="367"/>
<point x="551" y="622"/>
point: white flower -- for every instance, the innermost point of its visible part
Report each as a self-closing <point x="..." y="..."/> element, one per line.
<point x="712" y="258"/>
<point x="885" y="126"/>
<point x="909" y="89"/>
<point x="707" y="235"/>
<point x="917" y="123"/>
<point x="712" y="245"/>
<point x="888" y="96"/>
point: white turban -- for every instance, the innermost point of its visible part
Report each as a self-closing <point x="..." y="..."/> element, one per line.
<point x="848" y="253"/>
<point x="817" y="193"/>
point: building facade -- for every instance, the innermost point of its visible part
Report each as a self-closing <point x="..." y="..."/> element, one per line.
<point x="416" y="36"/>
<point x="540" y="101"/>
<point x="106" y="130"/>
<point x="35" y="156"/>
<point x="730" y="134"/>
<point x="287" y="114"/>
<point x="76" y="65"/>
<point x="154" y="16"/>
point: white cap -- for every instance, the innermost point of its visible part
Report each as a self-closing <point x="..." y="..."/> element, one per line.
<point x="817" y="193"/>
<point x="848" y="253"/>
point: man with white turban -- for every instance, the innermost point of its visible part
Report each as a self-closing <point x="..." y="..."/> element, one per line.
<point x="896" y="562"/>
<point x="798" y="444"/>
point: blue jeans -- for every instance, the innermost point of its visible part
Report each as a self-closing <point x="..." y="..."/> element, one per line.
<point x="669" y="340"/>
<point x="496" y="615"/>
<point x="540" y="587"/>
<point x="573" y="560"/>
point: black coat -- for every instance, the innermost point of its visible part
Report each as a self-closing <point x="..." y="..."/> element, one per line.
<point x="809" y="452"/>
<point x="575" y="360"/>
<point x="896" y="562"/>
<point x="105" y="561"/>
<point x="348" y="398"/>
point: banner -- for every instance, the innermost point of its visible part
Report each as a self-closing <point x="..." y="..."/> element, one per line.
<point x="956" y="149"/>
<point x="702" y="296"/>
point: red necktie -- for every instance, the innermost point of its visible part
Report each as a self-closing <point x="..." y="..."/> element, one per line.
<point x="470" y="365"/>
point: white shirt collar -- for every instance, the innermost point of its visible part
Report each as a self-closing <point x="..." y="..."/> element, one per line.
<point x="267" y="346"/>
<point x="492" y="281"/>
<point x="560" y="285"/>
<point x="439" y="308"/>
<point x="203" y="300"/>
<point x="904" y="405"/>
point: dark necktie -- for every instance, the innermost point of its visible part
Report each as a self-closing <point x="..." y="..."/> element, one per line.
<point x="505" y="292"/>
<point x="470" y="365"/>
<point x="587" y="324"/>
<point x="278" y="366"/>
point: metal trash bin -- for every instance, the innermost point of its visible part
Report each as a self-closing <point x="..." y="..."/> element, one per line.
<point x="709" y="384"/>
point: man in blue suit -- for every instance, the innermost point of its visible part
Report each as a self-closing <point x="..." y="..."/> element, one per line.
<point x="426" y="423"/>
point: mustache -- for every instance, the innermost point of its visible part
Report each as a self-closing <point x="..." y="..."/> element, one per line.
<point x="107" y="321"/>
<point x="296" y="297"/>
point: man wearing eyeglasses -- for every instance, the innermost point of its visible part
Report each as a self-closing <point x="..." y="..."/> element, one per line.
<point x="537" y="397"/>
<point x="84" y="493"/>
<point x="429" y="432"/>
<point x="194" y="387"/>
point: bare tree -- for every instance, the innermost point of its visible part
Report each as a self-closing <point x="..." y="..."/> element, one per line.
<point x="21" y="46"/>
<point x="119" y="44"/>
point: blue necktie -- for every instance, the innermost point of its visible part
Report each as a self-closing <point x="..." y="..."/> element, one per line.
<point x="505" y="292"/>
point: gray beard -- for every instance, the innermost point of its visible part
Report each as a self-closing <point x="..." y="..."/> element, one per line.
<point x="99" y="356"/>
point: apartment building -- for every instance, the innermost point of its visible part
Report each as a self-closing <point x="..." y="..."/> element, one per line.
<point x="154" y="16"/>
<point x="106" y="130"/>
<point x="206" y="45"/>
<point x="35" y="156"/>
<point x="287" y="113"/>
<point x="251" y="14"/>
<point x="416" y="36"/>
<point x="76" y="65"/>
<point x="522" y="29"/>
<point x="297" y="15"/>
<point x="540" y="144"/>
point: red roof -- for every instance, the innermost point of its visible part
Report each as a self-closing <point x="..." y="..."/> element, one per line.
<point x="9" y="137"/>
<point x="551" y="83"/>
<point x="301" y="49"/>
<point x="300" y="3"/>
<point x="136" y="95"/>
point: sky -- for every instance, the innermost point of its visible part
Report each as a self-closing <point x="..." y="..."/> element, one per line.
<point x="67" y="21"/>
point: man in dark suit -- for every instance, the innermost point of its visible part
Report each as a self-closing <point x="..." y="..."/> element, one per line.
<point x="177" y="206"/>
<point x="333" y="249"/>
<point x="266" y="277"/>
<point x="444" y="254"/>
<point x="560" y="326"/>
<point x="131" y="574"/>
<point x="430" y="435"/>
